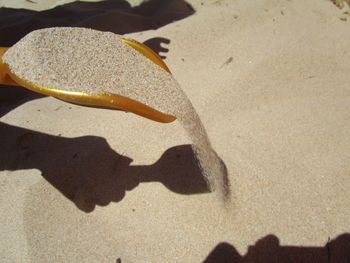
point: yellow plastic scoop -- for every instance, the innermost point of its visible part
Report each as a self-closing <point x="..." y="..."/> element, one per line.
<point x="109" y="101"/>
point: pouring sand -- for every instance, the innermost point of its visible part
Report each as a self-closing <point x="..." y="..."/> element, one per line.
<point x="94" y="62"/>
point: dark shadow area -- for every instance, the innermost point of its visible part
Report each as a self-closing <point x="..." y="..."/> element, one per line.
<point x="116" y="16"/>
<point x="11" y="97"/>
<point x="269" y="250"/>
<point x="88" y="172"/>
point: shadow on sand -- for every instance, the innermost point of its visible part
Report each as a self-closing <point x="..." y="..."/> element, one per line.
<point x="88" y="172"/>
<point x="269" y="250"/>
<point x="85" y="169"/>
<point x="116" y="16"/>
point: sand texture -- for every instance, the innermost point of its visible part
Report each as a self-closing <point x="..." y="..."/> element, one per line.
<point x="270" y="82"/>
<point x="93" y="62"/>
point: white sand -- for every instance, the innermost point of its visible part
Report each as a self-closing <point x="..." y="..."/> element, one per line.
<point x="278" y="115"/>
<point x="92" y="62"/>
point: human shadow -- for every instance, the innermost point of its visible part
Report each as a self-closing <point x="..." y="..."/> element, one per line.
<point x="116" y="16"/>
<point x="156" y="45"/>
<point x="269" y="250"/>
<point x="88" y="172"/>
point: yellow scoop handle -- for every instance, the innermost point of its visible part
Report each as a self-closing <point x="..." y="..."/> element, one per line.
<point x="109" y="101"/>
<point x="5" y="79"/>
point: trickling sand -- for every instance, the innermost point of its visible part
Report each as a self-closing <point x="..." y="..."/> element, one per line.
<point x="94" y="62"/>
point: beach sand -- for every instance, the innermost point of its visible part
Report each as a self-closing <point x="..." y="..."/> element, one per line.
<point x="270" y="81"/>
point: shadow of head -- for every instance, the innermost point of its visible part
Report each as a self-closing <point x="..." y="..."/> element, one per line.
<point x="116" y="16"/>
<point x="88" y="172"/>
<point x="268" y="249"/>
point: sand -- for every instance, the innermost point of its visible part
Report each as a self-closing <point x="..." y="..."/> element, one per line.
<point x="95" y="62"/>
<point x="92" y="62"/>
<point x="277" y="114"/>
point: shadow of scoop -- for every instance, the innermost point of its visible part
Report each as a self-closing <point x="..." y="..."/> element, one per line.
<point x="88" y="172"/>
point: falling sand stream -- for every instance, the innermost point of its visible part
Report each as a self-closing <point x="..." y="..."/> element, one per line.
<point x="94" y="62"/>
